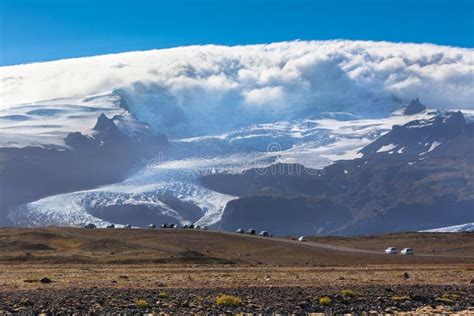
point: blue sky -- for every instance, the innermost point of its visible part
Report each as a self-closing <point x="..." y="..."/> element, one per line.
<point x="40" y="30"/>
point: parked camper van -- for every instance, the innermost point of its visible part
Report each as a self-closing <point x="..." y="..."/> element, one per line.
<point x="391" y="251"/>
<point x="407" y="251"/>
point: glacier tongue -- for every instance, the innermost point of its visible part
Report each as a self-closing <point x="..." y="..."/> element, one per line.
<point x="147" y="187"/>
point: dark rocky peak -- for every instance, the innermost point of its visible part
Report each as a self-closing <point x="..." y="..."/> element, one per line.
<point x="446" y="125"/>
<point x="106" y="133"/>
<point x="419" y="136"/>
<point x="105" y="124"/>
<point x="414" y="107"/>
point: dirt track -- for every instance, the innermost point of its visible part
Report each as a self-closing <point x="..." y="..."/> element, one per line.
<point x="313" y="243"/>
<point x="54" y="245"/>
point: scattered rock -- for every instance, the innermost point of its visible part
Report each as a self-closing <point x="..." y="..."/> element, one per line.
<point x="46" y="280"/>
<point x="255" y="300"/>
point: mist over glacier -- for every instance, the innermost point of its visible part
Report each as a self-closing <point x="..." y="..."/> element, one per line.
<point x="213" y="88"/>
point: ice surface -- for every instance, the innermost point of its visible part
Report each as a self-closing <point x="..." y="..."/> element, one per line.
<point x="48" y="122"/>
<point x="311" y="142"/>
<point x="469" y="227"/>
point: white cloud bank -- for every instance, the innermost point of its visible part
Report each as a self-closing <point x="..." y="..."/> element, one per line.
<point x="279" y="80"/>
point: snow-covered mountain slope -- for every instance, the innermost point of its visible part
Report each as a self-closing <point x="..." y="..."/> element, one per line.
<point x="417" y="176"/>
<point x="48" y="122"/>
<point x="224" y="109"/>
<point x="213" y="89"/>
<point x="469" y="227"/>
<point x="313" y="143"/>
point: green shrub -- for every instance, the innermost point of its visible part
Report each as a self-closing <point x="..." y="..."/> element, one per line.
<point x="228" y="300"/>
<point x="448" y="298"/>
<point x="451" y="296"/>
<point x="163" y="295"/>
<point x="141" y="303"/>
<point x="445" y="300"/>
<point x="325" y="301"/>
<point x="348" y="293"/>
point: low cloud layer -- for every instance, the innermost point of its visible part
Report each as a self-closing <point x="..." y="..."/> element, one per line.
<point x="279" y="80"/>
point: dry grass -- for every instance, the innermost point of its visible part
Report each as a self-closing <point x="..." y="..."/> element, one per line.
<point x="13" y="276"/>
<point x="147" y="246"/>
<point x="170" y="258"/>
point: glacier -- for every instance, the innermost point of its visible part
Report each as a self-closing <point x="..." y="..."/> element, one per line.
<point x="313" y="143"/>
<point x="225" y="109"/>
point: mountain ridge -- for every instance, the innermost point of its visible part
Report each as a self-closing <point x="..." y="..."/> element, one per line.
<point x="421" y="186"/>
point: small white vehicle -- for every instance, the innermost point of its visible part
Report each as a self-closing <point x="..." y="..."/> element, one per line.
<point x="264" y="233"/>
<point x="407" y="251"/>
<point x="128" y="226"/>
<point x="391" y="251"/>
<point x="302" y="238"/>
<point x="151" y="226"/>
<point x="240" y="231"/>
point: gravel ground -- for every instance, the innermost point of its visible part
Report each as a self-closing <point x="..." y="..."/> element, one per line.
<point x="263" y="300"/>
